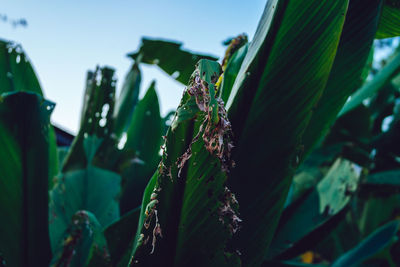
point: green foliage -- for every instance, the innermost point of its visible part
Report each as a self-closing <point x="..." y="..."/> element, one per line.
<point x="389" y="20"/>
<point x="375" y="242"/>
<point x="16" y="72"/>
<point x="145" y="141"/>
<point x="186" y="200"/>
<point x="126" y="103"/>
<point x="287" y="173"/>
<point x="92" y="189"/>
<point x="384" y="76"/>
<point x="169" y="57"/>
<point x="315" y="208"/>
<point x="82" y="244"/>
<point x="266" y="106"/>
<point x="347" y="71"/>
<point x="24" y="160"/>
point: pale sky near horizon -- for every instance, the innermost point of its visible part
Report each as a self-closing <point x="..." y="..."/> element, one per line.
<point x="64" y="39"/>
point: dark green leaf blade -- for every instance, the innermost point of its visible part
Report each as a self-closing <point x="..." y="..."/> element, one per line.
<point x="82" y="243"/>
<point x="389" y="23"/>
<point x="231" y="72"/>
<point x="389" y="178"/>
<point x="328" y="198"/>
<point x="375" y="242"/>
<point x="368" y="89"/>
<point x="16" y="72"/>
<point x="127" y="100"/>
<point x="185" y="203"/>
<point x="120" y="237"/>
<point x="282" y="77"/>
<point x="97" y="116"/>
<point x="170" y="57"/>
<point x="144" y="137"/>
<point x="24" y="159"/>
<point x="93" y="189"/>
<point x="346" y="76"/>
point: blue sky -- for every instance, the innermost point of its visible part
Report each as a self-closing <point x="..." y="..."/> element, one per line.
<point x="66" y="38"/>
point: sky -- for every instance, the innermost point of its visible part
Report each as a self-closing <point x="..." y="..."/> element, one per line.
<point x="64" y="39"/>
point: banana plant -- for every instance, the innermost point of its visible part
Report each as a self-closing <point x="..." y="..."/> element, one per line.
<point x="267" y="161"/>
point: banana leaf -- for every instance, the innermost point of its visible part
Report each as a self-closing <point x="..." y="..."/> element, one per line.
<point x="378" y="82"/>
<point x="92" y="189"/>
<point x="16" y="71"/>
<point x="281" y="79"/>
<point x="328" y="198"/>
<point x="348" y="71"/>
<point x="375" y="242"/>
<point x="170" y="57"/>
<point x="83" y="243"/>
<point x="144" y="139"/>
<point x="24" y="160"/>
<point x="389" y="22"/>
<point x="96" y="119"/>
<point x="186" y="204"/>
<point x="127" y="100"/>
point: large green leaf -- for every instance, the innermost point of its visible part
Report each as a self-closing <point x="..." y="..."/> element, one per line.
<point x="390" y="178"/>
<point x="127" y="100"/>
<point x="281" y="79"/>
<point x="91" y="189"/>
<point x="387" y="73"/>
<point x="82" y="243"/>
<point x="120" y="236"/>
<point x="17" y="75"/>
<point x="97" y="117"/>
<point x="231" y="72"/>
<point x="346" y="76"/>
<point x="377" y="210"/>
<point x="389" y="23"/>
<point x="375" y="242"/>
<point x="170" y="57"/>
<point x="144" y="138"/>
<point x="328" y="198"/>
<point x="16" y="72"/>
<point x="54" y="162"/>
<point x="186" y="204"/>
<point x="24" y="159"/>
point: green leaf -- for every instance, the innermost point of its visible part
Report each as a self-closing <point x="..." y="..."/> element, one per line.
<point x="384" y="76"/>
<point x="390" y="178"/>
<point x="354" y="127"/>
<point x="92" y="189"/>
<point x="348" y="68"/>
<point x="97" y="117"/>
<point x="82" y="243"/>
<point x="328" y="198"/>
<point x="375" y="242"/>
<point x="24" y="165"/>
<point x="186" y="204"/>
<point x="231" y="72"/>
<point x="16" y="72"/>
<point x="281" y="78"/>
<point x="186" y="111"/>
<point x="53" y="156"/>
<point x="312" y="170"/>
<point x="377" y="210"/>
<point x="62" y="153"/>
<point x="120" y="237"/>
<point x="144" y="138"/>
<point x="127" y="100"/>
<point x="170" y="57"/>
<point x="389" y="23"/>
